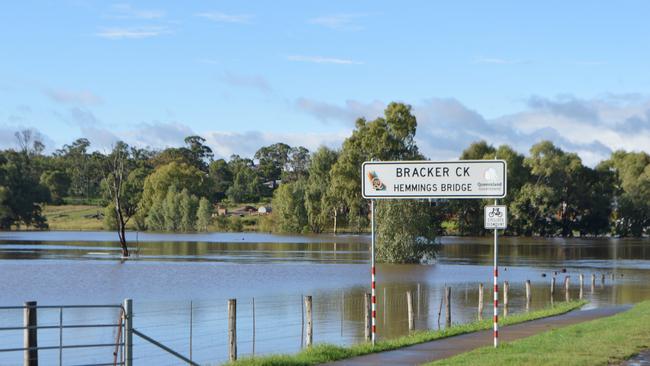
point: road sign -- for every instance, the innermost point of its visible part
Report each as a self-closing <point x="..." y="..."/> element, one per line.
<point x="434" y="179"/>
<point x="496" y="217"/>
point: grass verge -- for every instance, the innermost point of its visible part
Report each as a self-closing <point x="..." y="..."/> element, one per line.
<point x="322" y="353"/>
<point x="606" y="341"/>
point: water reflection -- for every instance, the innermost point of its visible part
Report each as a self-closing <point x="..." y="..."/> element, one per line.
<point x="170" y="271"/>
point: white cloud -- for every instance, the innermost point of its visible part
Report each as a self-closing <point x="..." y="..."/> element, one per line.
<point x="498" y="61"/>
<point x="593" y="128"/>
<point x="323" y="60"/>
<point x="126" y="11"/>
<point x="132" y="32"/>
<point x="82" y="97"/>
<point x="224" y="144"/>
<point x="247" y="81"/>
<point x="348" y="113"/>
<point x="338" y="21"/>
<point x="226" y="18"/>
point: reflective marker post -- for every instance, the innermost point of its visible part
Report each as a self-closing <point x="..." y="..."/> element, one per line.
<point x="496" y="217"/>
<point x="373" y="294"/>
<point x="496" y="281"/>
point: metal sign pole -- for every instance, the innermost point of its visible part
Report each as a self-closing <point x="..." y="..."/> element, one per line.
<point x="372" y="265"/>
<point x="496" y="289"/>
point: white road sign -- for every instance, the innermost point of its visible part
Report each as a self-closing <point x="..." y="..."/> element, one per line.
<point x="496" y="217"/>
<point x="434" y="179"/>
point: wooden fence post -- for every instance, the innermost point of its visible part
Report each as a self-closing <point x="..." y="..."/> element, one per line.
<point x="30" y="334"/>
<point x="528" y="295"/>
<point x="480" y="301"/>
<point x="567" y="298"/>
<point x="448" y="307"/>
<point x="506" y="288"/>
<point x="552" y="289"/>
<point x="582" y="282"/>
<point x="232" y="329"/>
<point x="409" y="306"/>
<point x="367" y="317"/>
<point x="310" y="326"/>
<point x="602" y="280"/>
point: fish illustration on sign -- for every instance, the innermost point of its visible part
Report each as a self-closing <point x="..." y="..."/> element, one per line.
<point x="376" y="183"/>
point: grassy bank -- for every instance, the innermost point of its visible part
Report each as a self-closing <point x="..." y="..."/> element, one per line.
<point x="603" y="341"/>
<point x="326" y="352"/>
<point x="74" y="217"/>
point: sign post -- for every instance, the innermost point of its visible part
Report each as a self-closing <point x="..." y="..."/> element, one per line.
<point x="463" y="179"/>
<point x="496" y="217"/>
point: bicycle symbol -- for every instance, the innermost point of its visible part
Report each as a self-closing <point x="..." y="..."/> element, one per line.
<point x="495" y="212"/>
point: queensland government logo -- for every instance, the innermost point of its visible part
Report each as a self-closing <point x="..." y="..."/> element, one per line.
<point x="376" y="183"/>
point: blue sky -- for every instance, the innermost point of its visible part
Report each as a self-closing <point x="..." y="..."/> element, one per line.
<point x="245" y="74"/>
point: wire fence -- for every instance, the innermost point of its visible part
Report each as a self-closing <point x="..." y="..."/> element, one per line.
<point x="198" y="330"/>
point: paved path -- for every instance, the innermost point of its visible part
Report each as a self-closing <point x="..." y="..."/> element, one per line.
<point x="642" y="359"/>
<point x="447" y="347"/>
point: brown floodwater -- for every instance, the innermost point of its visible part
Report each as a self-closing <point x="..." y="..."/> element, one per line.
<point x="178" y="277"/>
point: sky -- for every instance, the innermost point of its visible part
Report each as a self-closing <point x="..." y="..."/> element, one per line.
<point x="251" y="73"/>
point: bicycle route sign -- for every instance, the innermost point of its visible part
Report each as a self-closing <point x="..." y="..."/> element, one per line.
<point x="434" y="179"/>
<point x="496" y="217"/>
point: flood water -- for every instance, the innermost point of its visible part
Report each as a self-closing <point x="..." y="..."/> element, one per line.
<point x="180" y="285"/>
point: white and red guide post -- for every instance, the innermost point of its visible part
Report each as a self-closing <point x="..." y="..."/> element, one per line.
<point x="462" y="179"/>
<point x="496" y="217"/>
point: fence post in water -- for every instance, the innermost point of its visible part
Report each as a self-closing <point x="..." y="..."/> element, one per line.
<point x="593" y="282"/>
<point x="448" y="307"/>
<point x="128" y="332"/>
<point x="310" y="325"/>
<point x="567" y="298"/>
<point x="506" y="288"/>
<point x="480" y="301"/>
<point x="552" y="289"/>
<point x="30" y="334"/>
<point x="528" y="295"/>
<point x="367" y="316"/>
<point x="582" y="282"/>
<point x="409" y="306"/>
<point x="232" y="329"/>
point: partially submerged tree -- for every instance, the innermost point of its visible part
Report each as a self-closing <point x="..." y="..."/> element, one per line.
<point x="124" y="188"/>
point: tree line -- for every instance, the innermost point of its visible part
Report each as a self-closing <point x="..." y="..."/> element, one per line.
<point x="550" y="191"/>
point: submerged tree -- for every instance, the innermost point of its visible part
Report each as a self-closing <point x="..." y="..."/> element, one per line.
<point x="124" y="188"/>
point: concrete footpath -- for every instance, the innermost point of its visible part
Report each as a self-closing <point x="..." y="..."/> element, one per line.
<point x="447" y="347"/>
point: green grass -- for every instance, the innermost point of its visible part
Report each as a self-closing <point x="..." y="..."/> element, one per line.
<point x="606" y="341"/>
<point x="73" y="217"/>
<point x="322" y="353"/>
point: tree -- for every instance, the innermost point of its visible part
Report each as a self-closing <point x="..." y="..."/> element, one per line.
<point x="631" y="177"/>
<point x="247" y="185"/>
<point x="272" y="161"/>
<point x="58" y="183"/>
<point x="406" y="231"/>
<point x="297" y="164"/>
<point x="195" y="153"/>
<point x="204" y="214"/>
<point x="320" y="212"/>
<point x="403" y="237"/>
<point x="171" y="209"/>
<point x="221" y="177"/>
<point x="289" y="207"/>
<point x="180" y="175"/>
<point x="188" y="207"/>
<point x="123" y="187"/>
<point x="22" y="194"/>
<point x="386" y="138"/>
